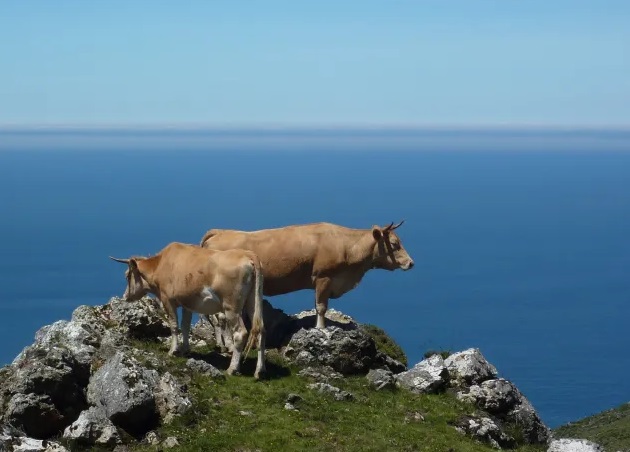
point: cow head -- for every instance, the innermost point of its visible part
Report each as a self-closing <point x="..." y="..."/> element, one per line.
<point x="137" y="286"/>
<point x="389" y="253"/>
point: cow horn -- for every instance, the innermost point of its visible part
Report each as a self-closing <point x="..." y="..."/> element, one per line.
<point x="398" y="225"/>
<point x="389" y="227"/>
<point x="124" y="261"/>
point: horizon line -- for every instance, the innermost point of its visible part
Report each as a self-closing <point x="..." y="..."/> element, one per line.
<point x="311" y="126"/>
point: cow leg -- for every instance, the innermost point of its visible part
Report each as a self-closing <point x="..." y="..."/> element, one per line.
<point x="186" y="320"/>
<point x="322" y="292"/>
<point x="171" y="311"/>
<point x="236" y="325"/>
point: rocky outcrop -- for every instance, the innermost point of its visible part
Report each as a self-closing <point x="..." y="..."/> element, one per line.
<point x="79" y="376"/>
<point x="502" y="399"/>
<point x="92" y="428"/>
<point x="429" y="376"/>
<point x="484" y="430"/>
<point x="381" y="379"/>
<point x="346" y="351"/>
<point x="574" y="445"/>
<point x="84" y="378"/>
<point x="469" y="367"/>
<point x="15" y="441"/>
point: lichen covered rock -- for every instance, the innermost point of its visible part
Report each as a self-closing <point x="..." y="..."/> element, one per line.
<point x="429" y="376"/>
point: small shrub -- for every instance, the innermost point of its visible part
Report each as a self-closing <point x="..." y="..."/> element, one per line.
<point x="384" y="343"/>
<point x="443" y="353"/>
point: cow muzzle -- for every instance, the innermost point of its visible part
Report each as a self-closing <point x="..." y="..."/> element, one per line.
<point x="408" y="266"/>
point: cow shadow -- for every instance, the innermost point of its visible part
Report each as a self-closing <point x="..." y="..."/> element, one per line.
<point x="248" y="366"/>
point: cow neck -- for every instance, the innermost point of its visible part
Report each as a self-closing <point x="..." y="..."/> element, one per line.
<point x="147" y="267"/>
<point x="362" y="252"/>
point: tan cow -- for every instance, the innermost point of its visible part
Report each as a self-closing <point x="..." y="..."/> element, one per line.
<point x="328" y="258"/>
<point x="207" y="282"/>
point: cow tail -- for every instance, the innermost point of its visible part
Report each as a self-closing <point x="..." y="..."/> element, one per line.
<point x="258" y="325"/>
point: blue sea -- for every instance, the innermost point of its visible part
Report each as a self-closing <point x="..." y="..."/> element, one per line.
<point x="521" y="238"/>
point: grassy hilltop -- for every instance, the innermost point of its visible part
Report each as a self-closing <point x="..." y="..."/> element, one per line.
<point x="240" y="414"/>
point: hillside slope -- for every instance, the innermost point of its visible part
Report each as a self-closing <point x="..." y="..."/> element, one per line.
<point x="610" y="428"/>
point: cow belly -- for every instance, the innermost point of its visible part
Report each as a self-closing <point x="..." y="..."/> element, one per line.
<point x="208" y="302"/>
<point x="280" y="286"/>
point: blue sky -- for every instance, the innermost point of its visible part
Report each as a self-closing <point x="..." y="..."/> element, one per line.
<point x="300" y="63"/>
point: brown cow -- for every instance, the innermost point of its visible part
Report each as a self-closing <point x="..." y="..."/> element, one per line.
<point x="328" y="258"/>
<point x="207" y="282"/>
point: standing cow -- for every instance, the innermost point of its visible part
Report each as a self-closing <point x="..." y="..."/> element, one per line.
<point x="207" y="282"/>
<point x="328" y="258"/>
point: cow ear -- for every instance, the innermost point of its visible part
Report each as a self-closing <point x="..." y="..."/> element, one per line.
<point x="377" y="233"/>
<point x="133" y="264"/>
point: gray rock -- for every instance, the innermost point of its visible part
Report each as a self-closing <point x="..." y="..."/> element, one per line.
<point x="291" y="401"/>
<point x="469" y="367"/>
<point x="485" y="430"/>
<point x="152" y="438"/>
<point x="385" y="361"/>
<point x="346" y="351"/>
<point x="170" y="398"/>
<point x="502" y="399"/>
<point x="170" y="442"/>
<point x="81" y="340"/>
<point x="35" y="414"/>
<point x="381" y="379"/>
<point x="125" y="391"/>
<point x="43" y="390"/>
<point x="15" y="441"/>
<point x="142" y="319"/>
<point x="93" y="427"/>
<point x="322" y="374"/>
<point x="325" y="388"/>
<point x="429" y="376"/>
<point x="573" y="445"/>
<point x="205" y="368"/>
<point x="494" y="396"/>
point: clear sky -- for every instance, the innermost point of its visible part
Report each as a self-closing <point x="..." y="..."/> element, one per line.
<point x="319" y="62"/>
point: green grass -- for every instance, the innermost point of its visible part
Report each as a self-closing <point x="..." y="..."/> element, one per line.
<point x="610" y="429"/>
<point x="375" y="421"/>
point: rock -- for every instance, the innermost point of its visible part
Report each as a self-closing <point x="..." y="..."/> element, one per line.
<point x="381" y="379"/>
<point x="43" y="390"/>
<point x="385" y="361"/>
<point x="205" y="368"/>
<point x="170" y="398"/>
<point x="142" y="319"/>
<point x="35" y="414"/>
<point x="494" y="396"/>
<point x="469" y="367"/>
<point x="81" y="340"/>
<point x="321" y="374"/>
<point x="429" y="376"/>
<point x="291" y="401"/>
<point x="573" y="445"/>
<point x="502" y="399"/>
<point x="93" y="427"/>
<point x="325" y="388"/>
<point x="26" y="444"/>
<point x="124" y="390"/>
<point x="484" y="430"/>
<point x="204" y="330"/>
<point x="170" y="442"/>
<point x="414" y="416"/>
<point x="346" y="351"/>
<point x="152" y="438"/>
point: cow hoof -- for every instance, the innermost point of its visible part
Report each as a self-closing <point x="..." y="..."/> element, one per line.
<point x="259" y="375"/>
<point x="232" y="372"/>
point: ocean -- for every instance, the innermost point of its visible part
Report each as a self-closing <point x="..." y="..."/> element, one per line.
<point x="521" y="239"/>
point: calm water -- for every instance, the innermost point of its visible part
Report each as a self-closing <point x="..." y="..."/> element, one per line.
<point x="522" y="252"/>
